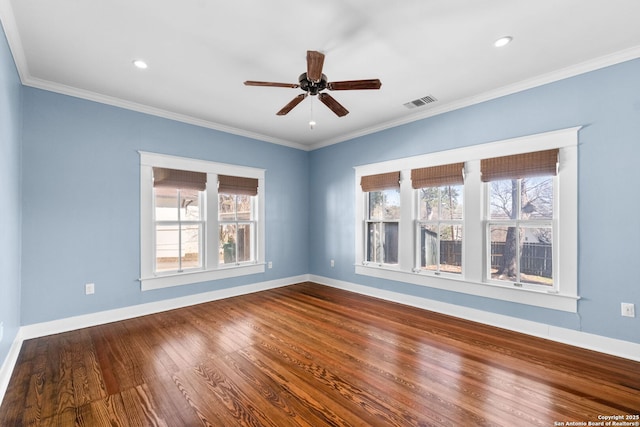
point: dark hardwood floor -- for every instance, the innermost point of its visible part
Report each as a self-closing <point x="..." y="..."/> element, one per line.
<point x="311" y="355"/>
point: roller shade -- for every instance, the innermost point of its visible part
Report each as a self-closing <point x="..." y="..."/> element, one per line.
<point x="520" y="165"/>
<point x="175" y="178"/>
<point x="437" y="176"/>
<point x="237" y="185"/>
<point x="383" y="181"/>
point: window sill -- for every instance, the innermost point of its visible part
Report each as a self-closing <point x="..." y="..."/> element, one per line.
<point x="545" y="299"/>
<point x="179" y="279"/>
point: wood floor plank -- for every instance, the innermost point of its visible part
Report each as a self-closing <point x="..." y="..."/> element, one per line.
<point x="310" y="355"/>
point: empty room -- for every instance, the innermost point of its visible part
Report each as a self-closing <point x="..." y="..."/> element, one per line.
<point x="342" y="213"/>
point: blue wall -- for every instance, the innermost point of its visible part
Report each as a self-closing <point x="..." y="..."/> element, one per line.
<point x="10" y="210"/>
<point x="606" y="102"/>
<point x="81" y="203"/>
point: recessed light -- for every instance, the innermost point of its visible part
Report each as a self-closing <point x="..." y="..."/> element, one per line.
<point x="503" y="41"/>
<point x="139" y="63"/>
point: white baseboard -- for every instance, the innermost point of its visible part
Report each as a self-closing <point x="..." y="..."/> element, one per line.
<point x="612" y="346"/>
<point x="7" y="367"/>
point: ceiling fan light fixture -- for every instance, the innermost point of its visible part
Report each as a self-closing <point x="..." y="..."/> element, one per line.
<point x="141" y="64"/>
<point x="503" y="41"/>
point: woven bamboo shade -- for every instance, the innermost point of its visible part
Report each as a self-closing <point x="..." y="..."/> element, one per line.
<point x="237" y="185"/>
<point x="380" y="182"/>
<point x="437" y="176"/>
<point x="520" y="165"/>
<point x="175" y="178"/>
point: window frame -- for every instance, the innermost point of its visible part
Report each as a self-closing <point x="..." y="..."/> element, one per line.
<point x="179" y="222"/>
<point x="237" y="222"/>
<point x="381" y="222"/>
<point x="563" y="297"/>
<point x="519" y="223"/>
<point x="439" y="223"/>
<point x="211" y="270"/>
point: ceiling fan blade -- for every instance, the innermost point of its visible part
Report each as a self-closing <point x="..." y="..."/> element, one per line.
<point x="271" y="84"/>
<point x="333" y="105"/>
<point x="355" y="85"/>
<point x="295" y="101"/>
<point x="315" y="61"/>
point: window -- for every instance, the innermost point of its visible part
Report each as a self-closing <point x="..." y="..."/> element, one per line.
<point x="236" y="219"/>
<point x="200" y="220"/>
<point x="520" y="230"/>
<point x="465" y="222"/>
<point x="382" y="226"/>
<point x="383" y="216"/>
<point x="520" y="225"/>
<point x="440" y="213"/>
<point x="179" y="220"/>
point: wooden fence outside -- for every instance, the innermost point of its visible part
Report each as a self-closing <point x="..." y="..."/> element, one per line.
<point x="536" y="258"/>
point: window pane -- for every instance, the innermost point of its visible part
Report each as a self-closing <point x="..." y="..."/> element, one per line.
<point x="429" y="204"/>
<point x="448" y="240"/>
<point x="451" y="199"/>
<point x="169" y="255"/>
<point x="441" y="203"/>
<point x="503" y="253"/>
<point x="536" y="256"/>
<point x="522" y="255"/>
<point x="243" y="207"/>
<point x="382" y="242"/>
<point x="190" y="205"/>
<point x="537" y="198"/>
<point x="535" y="195"/>
<point x="429" y="247"/>
<point x="166" y="204"/>
<point x="190" y="252"/>
<point x="502" y="197"/>
<point x="451" y="248"/>
<point x="226" y="207"/>
<point x="384" y="205"/>
<point x="227" y="244"/>
<point x="243" y="249"/>
<point x="235" y="207"/>
<point x="167" y="247"/>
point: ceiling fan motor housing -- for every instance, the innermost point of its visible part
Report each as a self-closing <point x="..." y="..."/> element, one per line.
<point x="311" y="87"/>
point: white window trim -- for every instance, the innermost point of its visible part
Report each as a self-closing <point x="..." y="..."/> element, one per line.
<point x="564" y="297"/>
<point x="150" y="280"/>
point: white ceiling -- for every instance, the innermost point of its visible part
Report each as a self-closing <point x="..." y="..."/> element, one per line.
<point x="201" y="51"/>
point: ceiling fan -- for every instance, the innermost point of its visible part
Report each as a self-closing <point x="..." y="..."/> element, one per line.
<point x="313" y="82"/>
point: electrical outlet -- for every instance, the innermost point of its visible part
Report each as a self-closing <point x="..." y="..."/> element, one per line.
<point x="89" y="288"/>
<point x="628" y="310"/>
<point x="270" y="265"/>
<point x="333" y="263"/>
<point x="1" y="331"/>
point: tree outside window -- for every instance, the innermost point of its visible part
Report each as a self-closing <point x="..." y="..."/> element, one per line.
<point x="521" y="230"/>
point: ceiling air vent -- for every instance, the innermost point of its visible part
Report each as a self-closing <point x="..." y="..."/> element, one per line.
<point x="421" y="101"/>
